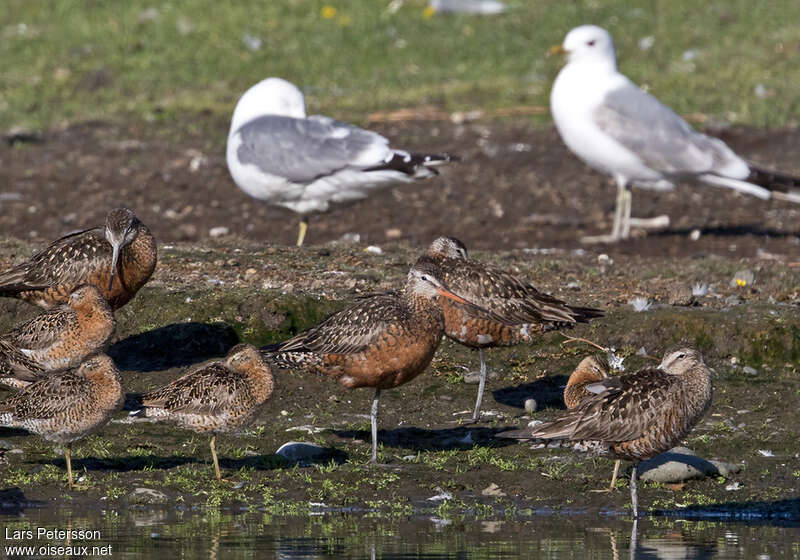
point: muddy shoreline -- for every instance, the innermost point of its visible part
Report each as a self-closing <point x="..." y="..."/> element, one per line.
<point x="207" y="296"/>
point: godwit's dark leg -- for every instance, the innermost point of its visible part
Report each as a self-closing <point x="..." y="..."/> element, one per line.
<point x="481" y="384"/>
<point x="374" y="420"/>
<point x="69" y="465"/>
<point x="634" y="495"/>
<point x="214" y="457"/>
<point x="301" y="234"/>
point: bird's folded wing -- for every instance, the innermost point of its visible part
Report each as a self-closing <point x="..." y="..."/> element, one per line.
<point x="302" y="150"/>
<point x="659" y="137"/>
<point x="204" y="390"/>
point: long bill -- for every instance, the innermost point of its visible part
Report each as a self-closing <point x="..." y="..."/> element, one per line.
<point x="114" y="260"/>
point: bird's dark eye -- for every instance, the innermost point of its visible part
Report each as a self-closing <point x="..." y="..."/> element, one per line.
<point x="590" y="43"/>
<point x="681" y="355"/>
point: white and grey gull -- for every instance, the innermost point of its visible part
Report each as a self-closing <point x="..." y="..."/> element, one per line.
<point x="617" y="128"/>
<point x="277" y="154"/>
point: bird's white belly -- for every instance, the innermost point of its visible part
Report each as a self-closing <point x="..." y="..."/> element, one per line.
<point x="572" y="107"/>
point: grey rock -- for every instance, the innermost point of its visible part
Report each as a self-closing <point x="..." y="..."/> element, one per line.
<point x="750" y="370"/>
<point x="474" y="377"/>
<point x="303" y="452"/>
<point x="743" y="278"/>
<point x="680" y="464"/>
<point x="530" y="406"/>
<point x="733" y="300"/>
<point x="147" y="496"/>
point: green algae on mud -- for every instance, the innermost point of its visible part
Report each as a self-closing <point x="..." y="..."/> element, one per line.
<point x="200" y="304"/>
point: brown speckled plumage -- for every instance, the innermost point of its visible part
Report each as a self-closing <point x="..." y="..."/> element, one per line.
<point x="216" y="397"/>
<point x="57" y="339"/>
<point x="590" y="370"/>
<point x="86" y="257"/>
<point x="67" y="406"/>
<point x="526" y="312"/>
<point x="381" y="341"/>
<point x="636" y="416"/>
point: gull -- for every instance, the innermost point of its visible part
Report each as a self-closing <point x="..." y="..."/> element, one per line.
<point x="277" y="154"/>
<point x="617" y="128"/>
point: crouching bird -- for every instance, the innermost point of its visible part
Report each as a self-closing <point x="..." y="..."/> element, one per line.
<point x="635" y="416"/>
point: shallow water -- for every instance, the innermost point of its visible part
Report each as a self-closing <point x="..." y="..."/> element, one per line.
<point x="150" y="533"/>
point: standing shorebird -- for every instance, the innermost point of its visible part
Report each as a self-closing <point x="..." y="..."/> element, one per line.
<point x="589" y="371"/>
<point x="279" y="155"/>
<point x="117" y="258"/>
<point x="382" y="341"/>
<point x="526" y="311"/>
<point x="57" y="339"/>
<point x="619" y="129"/>
<point x="217" y="397"/>
<point x="68" y="406"/>
<point x="636" y="416"/>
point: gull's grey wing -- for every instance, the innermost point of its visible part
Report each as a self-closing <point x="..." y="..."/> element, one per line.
<point x="302" y="150"/>
<point x="663" y="140"/>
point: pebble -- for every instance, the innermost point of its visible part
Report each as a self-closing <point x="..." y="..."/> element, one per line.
<point x="492" y="490"/>
<point x="304" y="452"/>
<point x="750" y="370"/>
<point x="743" y="278"/>
<point x="474" y="377"/>
<point x="441" y="496"/>
<point x="218" y="231"/>
<point x="147" y="496"/>
<point x="530" y="406"/>
<point x="680" y="464"/>
<point x="374" y="250"/>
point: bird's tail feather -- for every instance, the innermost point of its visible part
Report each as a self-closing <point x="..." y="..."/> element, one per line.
<point x="415" y="164"/>
<point x="737" y="185"/>
<point x="782" y="185"/>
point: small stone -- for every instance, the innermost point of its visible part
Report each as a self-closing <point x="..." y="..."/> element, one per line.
<point x="733" y="300"/>
<point x="750" y="370"/>
<point x="492" y="490"/>
<point x="393" y="233"/>
<point x="218" y="231"/>
<point x="733" y="486"/>
<point x="573" y="285"/>
<point x="766" y="453"/>
<point x="680" y="464"/>
<point x="251" y="42"/>
<point x="441" y="496"/>
<point x="604" y="259"/>
<point x="695" y="235"/>
<point x="250" y="272"/>
<point x="374" y="250"/>
<point x="534" y="423"/>
<point x="743" y="278"/>
<point x="147" y="496"/>
<point x="304" y="452"/>
<point x="530" y="406"/>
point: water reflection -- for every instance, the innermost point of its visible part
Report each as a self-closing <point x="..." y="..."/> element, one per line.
<point x="164" y="533"/>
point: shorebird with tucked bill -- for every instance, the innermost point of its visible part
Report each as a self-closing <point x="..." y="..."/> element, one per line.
<point x="59" y="338"/>
<point x="67" y="406"/>
<point x="636" y="416"/>
<point x="118" y="258"/>
<point x="215" y="398"/>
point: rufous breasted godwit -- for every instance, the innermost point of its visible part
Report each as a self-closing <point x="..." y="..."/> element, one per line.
<point x="381" y="341"/>
<point x="526" y="311"/>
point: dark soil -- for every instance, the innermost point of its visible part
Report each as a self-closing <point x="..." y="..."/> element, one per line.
<point x="517" y="187"/>
<point x="205" y="297"/>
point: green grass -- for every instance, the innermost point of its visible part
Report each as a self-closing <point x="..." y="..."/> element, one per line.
<point x="73" y="60"/>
